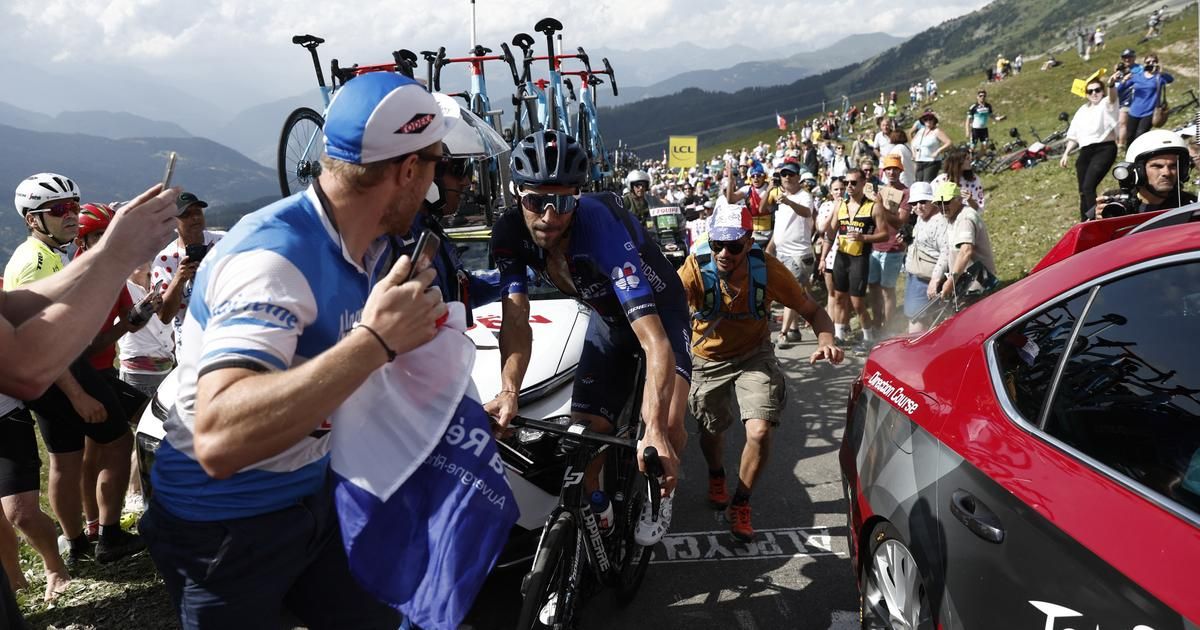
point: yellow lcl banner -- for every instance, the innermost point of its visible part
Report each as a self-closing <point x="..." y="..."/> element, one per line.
<point x="683" y="152"/>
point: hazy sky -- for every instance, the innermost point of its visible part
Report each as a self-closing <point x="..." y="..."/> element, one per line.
<point x="207" y="46"/>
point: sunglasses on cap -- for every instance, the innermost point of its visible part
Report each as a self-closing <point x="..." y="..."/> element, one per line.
<point x="734" y="247"/>
<point x="59" y="209"/>
<point x="454" y="167"/>
<point x="561" y="204"/>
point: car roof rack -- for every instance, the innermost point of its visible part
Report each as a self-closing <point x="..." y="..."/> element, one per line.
<point x="1177" y="216"/>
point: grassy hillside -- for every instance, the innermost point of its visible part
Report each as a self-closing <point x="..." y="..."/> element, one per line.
<point x="1028" y="210"/>
<point x="964" y="45"/>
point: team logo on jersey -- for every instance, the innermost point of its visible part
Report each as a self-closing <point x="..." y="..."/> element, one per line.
<point x="625" y="277"/>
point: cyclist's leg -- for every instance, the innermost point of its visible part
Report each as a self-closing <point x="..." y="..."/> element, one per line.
<point x="113" y="442"/>
<point x="62" y="432"/>
<point x="603" y="382"/>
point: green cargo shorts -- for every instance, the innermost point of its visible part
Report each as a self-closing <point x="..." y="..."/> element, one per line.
<point x="754" y="382"/>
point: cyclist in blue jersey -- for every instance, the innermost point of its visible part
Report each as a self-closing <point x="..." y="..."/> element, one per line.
<point x="590" y="247"/>
<point x="290" y="313"/>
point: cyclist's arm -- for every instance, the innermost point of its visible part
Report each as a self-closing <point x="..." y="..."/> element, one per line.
<point x="516" y="345"/>
<point x="660" y="373"/>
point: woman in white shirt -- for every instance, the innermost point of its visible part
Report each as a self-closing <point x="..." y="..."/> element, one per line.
<point x="956" y="167"/>
<point x="928" y="144"/>
<point x="1094" y="131"/>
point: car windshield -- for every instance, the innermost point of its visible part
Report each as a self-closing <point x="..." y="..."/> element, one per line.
<point x="474" y="254"/>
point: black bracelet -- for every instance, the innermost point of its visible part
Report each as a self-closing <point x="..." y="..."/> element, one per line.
<point x="391" y="354"/>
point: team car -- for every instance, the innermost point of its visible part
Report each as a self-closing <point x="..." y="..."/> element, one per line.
<point x="1033" y="461"/>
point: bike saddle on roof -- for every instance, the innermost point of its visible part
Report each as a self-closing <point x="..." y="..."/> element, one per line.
<point x="480" y="50"/>
<point x="307" y="40"/>
<point x="523" y="41"/>
<point x="406" y="55"/>
<point x="549" y="26"/>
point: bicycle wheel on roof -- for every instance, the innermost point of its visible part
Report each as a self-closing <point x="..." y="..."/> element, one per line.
<point x="301" y="147"/>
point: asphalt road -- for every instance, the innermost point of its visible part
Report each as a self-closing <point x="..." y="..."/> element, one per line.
<point x="795" y="574"/>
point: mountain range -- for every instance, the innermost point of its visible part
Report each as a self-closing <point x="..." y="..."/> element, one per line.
<point x="955" y="47"/>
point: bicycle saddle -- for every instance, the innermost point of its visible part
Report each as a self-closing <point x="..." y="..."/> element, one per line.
<point x="549" y="26"/>
<point x="307" y="40"/>
<point x="406" y="55"/>
<point x="524" y="41"/>
<point x="480" y="51"/>
<point x="594" y="80"/>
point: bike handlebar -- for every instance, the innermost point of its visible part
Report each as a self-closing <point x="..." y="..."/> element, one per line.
<point x="438" y="62"/>
<point x="611" y="76"/>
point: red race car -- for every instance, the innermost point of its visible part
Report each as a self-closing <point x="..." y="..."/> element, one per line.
<point x="1034" y="460"/>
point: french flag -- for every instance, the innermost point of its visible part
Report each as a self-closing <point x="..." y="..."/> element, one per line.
<point x="780" y="122"/>
<point x="423" y="502"/>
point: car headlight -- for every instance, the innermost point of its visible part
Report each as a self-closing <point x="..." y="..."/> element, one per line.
<point x="525" y="435"/>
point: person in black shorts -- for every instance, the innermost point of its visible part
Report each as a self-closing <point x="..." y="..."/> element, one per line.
<point x="857" y="223"/>
<point x="20" y="483"/>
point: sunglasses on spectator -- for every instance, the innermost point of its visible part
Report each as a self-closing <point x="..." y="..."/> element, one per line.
<point x="561" y="204"/>
<point x="853" y="182"/>
<point x="60" y="209"/>
<point x="454" y="167"/>
<point x="1098" y="90"/>
<point x="734" y="247"/>
<point x="789" y="174"/>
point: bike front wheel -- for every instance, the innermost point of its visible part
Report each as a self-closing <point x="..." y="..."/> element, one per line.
<point x="301" y="146"/>
<point x="547" y="598"/>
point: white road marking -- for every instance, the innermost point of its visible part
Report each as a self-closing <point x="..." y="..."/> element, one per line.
<point x="794" y="542"/>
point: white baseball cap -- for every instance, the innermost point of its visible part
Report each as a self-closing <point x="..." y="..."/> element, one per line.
<point x="920" y="191"/>
<point x="382" y="115"/>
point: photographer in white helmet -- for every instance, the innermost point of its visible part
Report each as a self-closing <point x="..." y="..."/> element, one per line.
<point x="1151" y="177"/>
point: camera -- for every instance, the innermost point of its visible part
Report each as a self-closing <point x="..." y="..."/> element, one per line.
<point x="1125" y="202"/>
<point x="195" y="252"/>
<point x="906" y="230"/>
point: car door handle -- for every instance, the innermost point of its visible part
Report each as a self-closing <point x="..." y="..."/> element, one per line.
<point x="976" y="516"/>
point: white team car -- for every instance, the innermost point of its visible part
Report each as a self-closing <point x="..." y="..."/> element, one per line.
<point x="559" y="324"/>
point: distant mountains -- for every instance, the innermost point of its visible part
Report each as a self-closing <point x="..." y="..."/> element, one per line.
<point x="763" y="72"/>
<point x="109" y="170"/>
<point x="960" y="45"/>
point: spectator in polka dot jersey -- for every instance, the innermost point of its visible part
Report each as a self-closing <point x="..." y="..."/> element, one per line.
<point x="171" y="271"/>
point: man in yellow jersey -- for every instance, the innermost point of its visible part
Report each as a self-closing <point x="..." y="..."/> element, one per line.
<point x="857" y="223"/>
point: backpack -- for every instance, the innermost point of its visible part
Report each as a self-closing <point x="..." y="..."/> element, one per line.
<point x="711" y="309"/>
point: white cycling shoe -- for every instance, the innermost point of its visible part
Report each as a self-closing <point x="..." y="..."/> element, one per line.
<point x="549" y="610"/>
<point x="649" y="532"/>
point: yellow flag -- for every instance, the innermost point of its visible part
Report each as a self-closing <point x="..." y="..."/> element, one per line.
<point x="1079" y="86"/>
<point x="683" y="152"/>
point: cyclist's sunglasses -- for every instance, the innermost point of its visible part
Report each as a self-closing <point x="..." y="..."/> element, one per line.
<point x="562" y="204"/>
<point x="455" y="167"/>
<point x="60" y="209"/>
<point x="734" y="247"/>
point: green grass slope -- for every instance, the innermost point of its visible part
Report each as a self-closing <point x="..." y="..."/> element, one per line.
<point x="1028" y="210"/>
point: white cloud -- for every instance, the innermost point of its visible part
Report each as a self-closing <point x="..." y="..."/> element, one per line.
<point x="214" y="45"/>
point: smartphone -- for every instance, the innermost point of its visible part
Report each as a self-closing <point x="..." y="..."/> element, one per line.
<point x="195" y="252"/>
<point x="166" y="182"/>
<point x="423" y="253"/>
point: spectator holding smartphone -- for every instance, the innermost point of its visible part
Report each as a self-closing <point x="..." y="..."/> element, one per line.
<point x="172" y="270"/>
<point x="1148" y="93"/>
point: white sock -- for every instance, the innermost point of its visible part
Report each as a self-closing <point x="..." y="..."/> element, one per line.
<point x="867" y="336"/>
<point x="839" y="331"/>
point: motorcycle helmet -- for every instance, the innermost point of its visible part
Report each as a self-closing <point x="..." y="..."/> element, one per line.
<point x="637" y="176"/>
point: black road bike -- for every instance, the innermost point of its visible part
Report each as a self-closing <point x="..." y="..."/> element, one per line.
<point x="574" y="557"/>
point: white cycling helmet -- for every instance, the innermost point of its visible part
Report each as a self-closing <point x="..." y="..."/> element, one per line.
<point x="637" y="176"/>
<point x="1154" y="142"/>
<point x="38" y="189"/>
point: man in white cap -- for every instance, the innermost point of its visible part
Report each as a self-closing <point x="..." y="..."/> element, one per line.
<point x="791" y="242"/>
<point x="926" y="245"/>
<point x="291" y="312"/>
<point x="730" y="286"/>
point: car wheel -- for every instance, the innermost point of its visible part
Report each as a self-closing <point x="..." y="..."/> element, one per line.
<point x="893" y="594"/>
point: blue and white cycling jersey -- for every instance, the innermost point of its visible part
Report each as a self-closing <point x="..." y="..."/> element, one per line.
<point x="615" y="266"/>
<point x="278" y="290"/>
